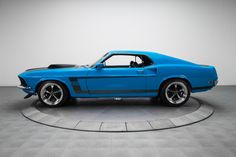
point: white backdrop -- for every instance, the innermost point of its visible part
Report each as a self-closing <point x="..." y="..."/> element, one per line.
<point x="36" y="33"/>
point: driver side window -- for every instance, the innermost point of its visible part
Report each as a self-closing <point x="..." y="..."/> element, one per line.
<point x="125" y="61"/>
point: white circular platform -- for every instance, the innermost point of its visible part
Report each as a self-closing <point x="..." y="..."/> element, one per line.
<point x="118" y="116"/>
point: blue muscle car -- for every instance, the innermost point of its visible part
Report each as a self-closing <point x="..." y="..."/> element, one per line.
<point x="120" y="74"/>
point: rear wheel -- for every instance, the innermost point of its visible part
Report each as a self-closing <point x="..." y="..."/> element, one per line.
<point x="52" y="93"/>
<point x="175" y="92"/>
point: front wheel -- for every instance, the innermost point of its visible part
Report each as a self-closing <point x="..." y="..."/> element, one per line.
<point x="52" y="93"/>
<point x="175" y="92"/>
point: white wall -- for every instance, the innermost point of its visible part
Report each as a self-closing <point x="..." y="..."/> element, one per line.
<point x="35" y="33"/>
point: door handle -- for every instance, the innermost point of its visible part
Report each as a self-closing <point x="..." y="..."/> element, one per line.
<point x="140" y="71"/>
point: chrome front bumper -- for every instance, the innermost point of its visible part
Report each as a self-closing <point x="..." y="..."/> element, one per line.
<point x="23" y="87"/>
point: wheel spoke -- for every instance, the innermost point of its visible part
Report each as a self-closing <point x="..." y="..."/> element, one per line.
<point x="47" y="92"/>
<point x="49" y="97"/>
<point x="58" y="91"/>
<point x="172" y="96"/>
<point x="52" y="86"/>
<point x="178" y="96"/>
<point x="176" y="86"/>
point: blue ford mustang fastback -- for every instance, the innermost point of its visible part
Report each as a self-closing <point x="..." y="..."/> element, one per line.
<point x="120" y="74"/>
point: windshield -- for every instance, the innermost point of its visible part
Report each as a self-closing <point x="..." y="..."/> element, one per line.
<point x="99" y="60"/>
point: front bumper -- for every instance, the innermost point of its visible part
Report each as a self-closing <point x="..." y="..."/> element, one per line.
<point x="26" y="89"/>
<point x="23" y="87"/>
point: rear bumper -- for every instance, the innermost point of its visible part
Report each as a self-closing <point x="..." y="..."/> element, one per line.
<point x="215" y="82"/>
<point x="205" y="88"/>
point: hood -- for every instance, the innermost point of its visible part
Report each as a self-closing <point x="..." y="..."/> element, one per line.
<point x="54" y="66"/>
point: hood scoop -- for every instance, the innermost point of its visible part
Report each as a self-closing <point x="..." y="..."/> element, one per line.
<point x="57" y="66"/>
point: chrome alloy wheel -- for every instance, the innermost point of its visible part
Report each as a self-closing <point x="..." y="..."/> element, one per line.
<point x="176" y="92"/>
<point x="51" y="94"/>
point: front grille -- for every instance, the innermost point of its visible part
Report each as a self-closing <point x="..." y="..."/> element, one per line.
<point x="22" y="81"/>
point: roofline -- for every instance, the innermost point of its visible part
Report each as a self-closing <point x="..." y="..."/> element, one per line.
<point x="154" y="56"/>
<point x="132" y="52"/>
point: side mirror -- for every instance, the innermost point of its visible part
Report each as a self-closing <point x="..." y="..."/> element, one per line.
<point x="99" y="66"/>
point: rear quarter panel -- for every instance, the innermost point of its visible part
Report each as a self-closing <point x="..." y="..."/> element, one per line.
<point x="198" y="76"/>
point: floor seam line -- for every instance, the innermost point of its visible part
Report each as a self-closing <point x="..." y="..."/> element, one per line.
<point x="126" y="126"/>
<point x="150" y="124"/>
<point x="77" y="124"/>
<point x="100" y="126"/>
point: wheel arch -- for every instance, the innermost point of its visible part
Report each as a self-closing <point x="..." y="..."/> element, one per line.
<point x="171" y="78"/>
<point x="56" y="80"/>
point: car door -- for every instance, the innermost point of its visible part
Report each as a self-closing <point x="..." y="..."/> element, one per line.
<point x="117" y="79"/>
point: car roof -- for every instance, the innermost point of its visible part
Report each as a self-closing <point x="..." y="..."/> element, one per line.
<point x="133" y="52"/>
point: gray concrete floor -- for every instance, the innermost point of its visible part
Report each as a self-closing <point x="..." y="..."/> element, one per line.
<point x="214" y="137"/>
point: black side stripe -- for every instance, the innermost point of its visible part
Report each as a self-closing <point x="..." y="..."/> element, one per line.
<point x="102" y="77"/>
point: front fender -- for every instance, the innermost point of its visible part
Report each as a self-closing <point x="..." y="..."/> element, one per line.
<point x="62" y="80"/>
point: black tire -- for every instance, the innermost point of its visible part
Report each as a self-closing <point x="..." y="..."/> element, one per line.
<point x="60" y="92"/>
<point x="180" y="97"/>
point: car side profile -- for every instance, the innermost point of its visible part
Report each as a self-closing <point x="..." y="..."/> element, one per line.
<point x="120" y="74"/>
